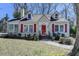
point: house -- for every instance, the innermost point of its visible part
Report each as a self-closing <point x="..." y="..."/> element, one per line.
<point x="39" y="24"/>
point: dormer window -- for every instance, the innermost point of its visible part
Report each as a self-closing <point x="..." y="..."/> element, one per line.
<point x="56" y="16"/>
<point x="29" y="16"/>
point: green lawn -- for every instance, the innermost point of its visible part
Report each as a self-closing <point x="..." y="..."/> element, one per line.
<point x="15" y="47"/>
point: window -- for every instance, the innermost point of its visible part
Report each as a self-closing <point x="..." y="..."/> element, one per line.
<point x="30" y="28"/>
<point x="16" y="28"/>
<point x="11" y="27"/>
<point x="25" y="28"/>
<point x="56" y="28"/>
<point x="56" y="15"/>
<point x="61" y="28"/>
<point x="29" y="16"/>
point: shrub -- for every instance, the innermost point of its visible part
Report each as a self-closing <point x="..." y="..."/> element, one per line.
<point x="32" y="37"/>
<point x="13" y="36"/>
<point x="73" y="31"/>
<point x="61" y="40"/>
<point x="52" y="38"/>
<point x="62" y="35"/>
<point x="65" y="40"/>
<point x="6" y="36"/>
<point x="28" y="37"/>
<point x="19" y="34"/>
<point x="40" y="36"/>
<point x="35" y="37"/>
<point x="56" y="35"/>
<point x="68" y="41"/>
<point x="49" y="35"/>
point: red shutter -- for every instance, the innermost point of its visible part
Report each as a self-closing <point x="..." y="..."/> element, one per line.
<point x="21" y="28"/>
<point x="34" y="27"/>
<point x="53" y="28"/>
<point x="65" y="27"/>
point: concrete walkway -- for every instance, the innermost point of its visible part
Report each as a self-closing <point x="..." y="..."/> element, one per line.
<point x="58" y="45"/>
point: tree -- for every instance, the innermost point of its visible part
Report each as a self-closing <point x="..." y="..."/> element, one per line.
<point x="16" y="6"/>
<point x="36" y="8"/>
<point x="65" y="10"/>
<point x="42" y="8"/>
<point x="6" y="17"/>
<point x="18" y="9"/>
<point x="17" y="14"/>
<point x="3" y="23"/>
<point x="75" y="50"/>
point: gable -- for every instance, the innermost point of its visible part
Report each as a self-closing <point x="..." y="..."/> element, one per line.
<point x="36" y="17"/>
<point x="44" y="18"/>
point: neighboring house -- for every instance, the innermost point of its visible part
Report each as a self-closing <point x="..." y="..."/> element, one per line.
<point x="39" y="24"/>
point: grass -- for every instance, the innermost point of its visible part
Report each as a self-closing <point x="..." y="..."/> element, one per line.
<point x="15" y="47"/>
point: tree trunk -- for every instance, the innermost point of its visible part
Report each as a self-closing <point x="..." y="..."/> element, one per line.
<point x="75" y="50"/>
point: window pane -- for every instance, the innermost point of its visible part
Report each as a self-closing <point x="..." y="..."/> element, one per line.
<point x="16" y="28"/>
<point x="10" y="27"/>
<point x="25" y="28"/>
<point x="61" y="28"/>
<point x="30" y="28"/>
<point x="56" y="28"/>
<point x="56" y="15"/>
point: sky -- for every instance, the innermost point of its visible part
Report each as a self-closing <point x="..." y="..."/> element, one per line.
<point x="6" y="8"/>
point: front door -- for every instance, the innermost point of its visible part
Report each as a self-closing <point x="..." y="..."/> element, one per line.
<point x="43" y="29"/>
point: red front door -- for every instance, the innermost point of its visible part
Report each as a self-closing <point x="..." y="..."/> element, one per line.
<point x="43" y="29"/>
